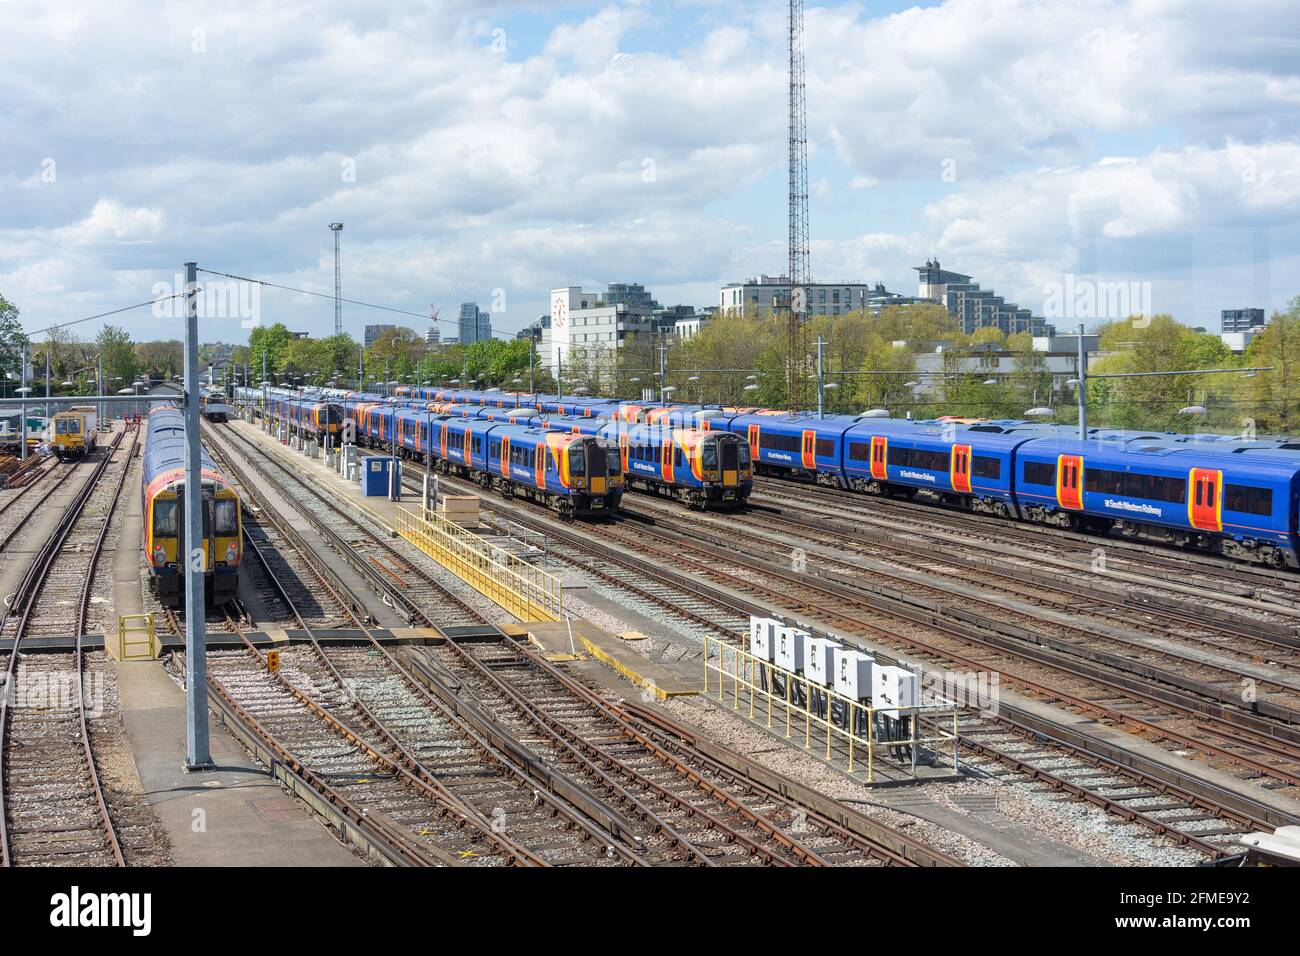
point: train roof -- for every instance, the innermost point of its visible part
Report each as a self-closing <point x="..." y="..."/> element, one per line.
<point x="165" y="448"/>
<point x="1170" y="454"/>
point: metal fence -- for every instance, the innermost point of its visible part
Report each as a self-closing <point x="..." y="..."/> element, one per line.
<point x="525" y="591"/>
<point x="849" y="728"/>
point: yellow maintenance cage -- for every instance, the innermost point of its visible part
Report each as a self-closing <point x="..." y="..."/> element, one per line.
<point x="747" y="681"/>
<point x="525" y="591"/>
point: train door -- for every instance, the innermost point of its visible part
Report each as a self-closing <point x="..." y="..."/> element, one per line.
<point x="209" y="541"/>
<point x="1069" y="482"/>
<point x="666" y="455"/>
<point x="808" y="447"/>
<point x="879" y="457"/>
<point x="622" y="447"/>
<point x="469" y="444"/>
<point x="539" y="462"/>
<point x="505" y="456"/>
<point x="959" y="470"/>
<point x="754" y="434"/>
<point x="1205" y="499"/>
<point x="730" y="455"/>
<point x="442" y="443"/>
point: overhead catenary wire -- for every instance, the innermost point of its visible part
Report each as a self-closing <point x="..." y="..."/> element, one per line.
<point x="104" y="315"/>
<point x="329" y="295"/>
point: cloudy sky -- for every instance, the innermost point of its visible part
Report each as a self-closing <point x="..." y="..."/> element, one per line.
<point x="491" y="151"/>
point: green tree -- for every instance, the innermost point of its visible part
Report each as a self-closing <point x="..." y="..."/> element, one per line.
<point x="12" y="340"/>
<point x="1272" y="399"/>
<point x="118" y="353"/>
<point x="269" y="344"/>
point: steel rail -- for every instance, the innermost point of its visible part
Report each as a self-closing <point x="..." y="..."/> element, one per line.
<point x="26" y="595"/>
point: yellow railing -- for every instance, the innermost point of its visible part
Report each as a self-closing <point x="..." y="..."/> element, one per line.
<point x="514" y="584"/>
<point x="131" y="626"/>
<point x="752" y="684"/>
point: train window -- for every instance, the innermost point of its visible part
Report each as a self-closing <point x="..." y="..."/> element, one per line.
<point x="1038" y="472"/>
<point x="790" y="443"/>
<point x="709" y="456"/>
<point x="577" y="460"/>
<point x="1135" y="485"/>
<point x="164" y="518"/>
<point x="985" y="467"/>
<point x="825" y="447"/>
<point x="615" y="460"/>
<point x="677" y="457"/>
<point x="859" y="451"/>
<point x="225" y="517"/>
<point x="1248" y="500"/>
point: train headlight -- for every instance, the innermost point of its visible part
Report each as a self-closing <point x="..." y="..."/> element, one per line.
<point x="231" y="553"/>
<point x="159" y="555"/>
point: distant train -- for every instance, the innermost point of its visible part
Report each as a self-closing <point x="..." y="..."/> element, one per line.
<point x="213" y="405"/>
<point x="74" y="432"/>
<point x="575" y="475"/>
<point x="162" y="509"/>
<point x="1204" y="492"/>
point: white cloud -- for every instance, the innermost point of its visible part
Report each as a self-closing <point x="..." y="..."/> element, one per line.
<point x="594" y="160"/>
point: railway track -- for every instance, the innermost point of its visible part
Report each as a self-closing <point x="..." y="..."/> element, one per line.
<point x="723" y="819"/>
<point x="1216" y="671"/>
<point x="17" y="509"/>
<point x="1165" y="564"/>
<point x="727" y="617"/>
<point x="844" y="606"/>
<point x="55" y="809"/>
<point x="663" y="823"/>
<point x="391" y="567"/>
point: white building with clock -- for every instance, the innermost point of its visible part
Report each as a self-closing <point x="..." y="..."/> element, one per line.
<point x="582" y="322"/>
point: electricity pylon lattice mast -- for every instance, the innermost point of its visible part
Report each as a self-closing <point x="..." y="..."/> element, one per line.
<point x="337" y="227"/>
<point x="800" y="269"/>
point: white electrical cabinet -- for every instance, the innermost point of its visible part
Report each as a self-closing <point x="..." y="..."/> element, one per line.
<point x="789" y="648"/>
<point x="892" y="687"/>
<point x="762" y="637"/>
<point x="819" y="660"/>
<point x="853" y="671"/>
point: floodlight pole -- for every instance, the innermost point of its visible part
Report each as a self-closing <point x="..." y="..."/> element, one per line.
<point x="821" y="395"/>
<point x="1083" y="388"/>
<point x="198" y="756"/>
<point x="22" y="448"/>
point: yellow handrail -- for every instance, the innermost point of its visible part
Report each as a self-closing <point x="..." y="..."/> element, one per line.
<point x="525" y="591"/>
<point x="125" y="626"/>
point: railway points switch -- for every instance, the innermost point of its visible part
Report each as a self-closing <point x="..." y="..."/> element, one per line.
<point x="853" y="673"/>
<point x="892" y="687"/>
<point x="762" y="638"/>
<point x="819" y="660"/>
<point x="789" y="648"/>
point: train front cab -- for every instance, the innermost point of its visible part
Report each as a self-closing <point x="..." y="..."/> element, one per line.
<point x="71" y="435"/>
<point x="589" y="469"/>
<point x="222" y="544"/>
<point x="720" y="461"/>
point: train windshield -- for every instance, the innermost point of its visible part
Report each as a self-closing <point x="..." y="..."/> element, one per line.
<point x="709" y="455"/>
<point x="577" y="459"/>
<point x="164" y="518"/>
<point x="67" y="426"/>
<point x="743" y="446"/>
<point x="225" y="517"/>
<point x="615" y="460"/>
